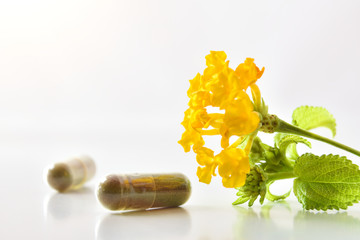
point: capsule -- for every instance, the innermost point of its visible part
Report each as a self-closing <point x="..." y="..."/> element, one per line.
<point x="143" y="191"/>
<point x="71" y="174"/>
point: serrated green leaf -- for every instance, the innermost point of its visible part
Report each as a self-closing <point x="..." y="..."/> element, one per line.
<point x="308" y="117"/>
<point x="326" y="182"/>
<point x="278" y="138"/>
<point x="287" y="145"/>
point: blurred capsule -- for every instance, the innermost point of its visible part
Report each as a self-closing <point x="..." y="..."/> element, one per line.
<point x="143" y="191"/>
<point x="71" y="174"/>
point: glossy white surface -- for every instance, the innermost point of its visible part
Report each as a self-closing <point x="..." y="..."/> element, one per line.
<point x="31" y="209"/>
<point x="109" y="79"/>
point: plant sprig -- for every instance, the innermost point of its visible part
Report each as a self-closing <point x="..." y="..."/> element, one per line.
<point x="220" y="105"/>
<point x="321" y="182"/>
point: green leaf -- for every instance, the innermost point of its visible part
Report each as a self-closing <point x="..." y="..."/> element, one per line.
<point x="278" y="137"/>
<point x="241" y="200"/>
<point x="326" y="182"/>
<point x="271" y="197"/>
<point x="287" y="144"/>
<point x="308" y="117"/>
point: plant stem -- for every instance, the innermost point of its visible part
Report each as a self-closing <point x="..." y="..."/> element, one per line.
<point x="280" y="175"/>
<point x="285" y="127"/>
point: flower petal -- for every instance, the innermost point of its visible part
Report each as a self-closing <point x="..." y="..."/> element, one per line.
<point x="233" y="166"/>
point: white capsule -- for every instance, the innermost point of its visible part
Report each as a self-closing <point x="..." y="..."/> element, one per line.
<point x="71" y="174"/>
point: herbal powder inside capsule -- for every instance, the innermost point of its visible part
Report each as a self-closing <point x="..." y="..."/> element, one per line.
<point x="143" y="191"/>
<point x="71" y="174"/>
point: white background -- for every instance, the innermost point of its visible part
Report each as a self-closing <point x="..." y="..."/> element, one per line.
<point x="109" y="79"/>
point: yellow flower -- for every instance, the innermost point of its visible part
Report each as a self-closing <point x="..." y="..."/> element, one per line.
<point x="222" y="88"/>
<point x="191" y="137"/>
<point x="200" y="118"/>
<point x="194" y="122"/>
<point x="205" y="158"/>
<point x="215" y="59"/>
<point x="215" y="63"/>
<point x="248" y="72"/>
<point x="239" y="119"/>
<point x="200" y="99"/>
<point x="233" y="167"/>
<point x="194" y="85"/>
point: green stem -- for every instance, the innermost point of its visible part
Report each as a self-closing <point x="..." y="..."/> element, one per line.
<point x="285" y="127"/>
<point x="280" y="175"/>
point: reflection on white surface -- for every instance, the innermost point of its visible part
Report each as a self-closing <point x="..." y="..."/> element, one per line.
<point x="66" y="205"/>
<point x="280" y="221"/>
<point x="171" y="223"/>
<point x="272" y="221"/>
<point x="70" y="215"/>
<point x="337" y="226"/>
<point x="77" y="215"/>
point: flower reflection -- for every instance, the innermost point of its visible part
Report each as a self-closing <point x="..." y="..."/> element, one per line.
<point x="251" y="224"/>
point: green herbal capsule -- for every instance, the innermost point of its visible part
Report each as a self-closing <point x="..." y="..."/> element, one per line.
<point x="143" y="191"/>
<point x="71" y="174"/>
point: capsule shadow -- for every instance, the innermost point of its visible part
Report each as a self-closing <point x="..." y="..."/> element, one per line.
<point x="71" y="203"/>
<point x="164" y="223"/>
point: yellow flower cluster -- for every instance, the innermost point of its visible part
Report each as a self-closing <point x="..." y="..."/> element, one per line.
<point x="224" y="89"/>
